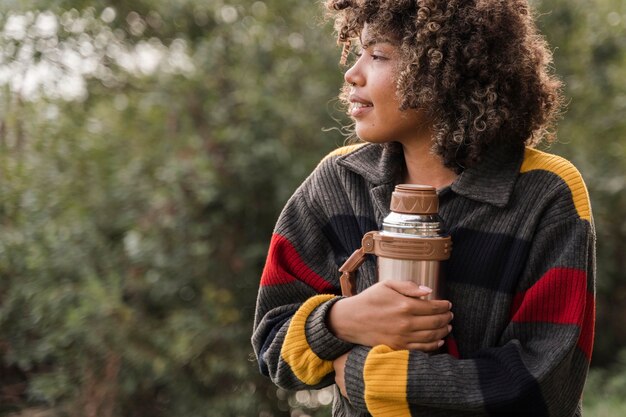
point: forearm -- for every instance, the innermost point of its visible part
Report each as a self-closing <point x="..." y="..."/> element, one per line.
<point x="297" y="352"/>
<point x="501" y="380"/>
<point x="537" y="367"/>
<point x="290" y="313"/>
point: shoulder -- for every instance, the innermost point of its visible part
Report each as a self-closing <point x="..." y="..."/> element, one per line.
<point x="374" y="163"/>
<point x="331" y="163"/>
<point x="561" y="171"/>
<point x="344" y="150"/>
<point x="327" y="176"/>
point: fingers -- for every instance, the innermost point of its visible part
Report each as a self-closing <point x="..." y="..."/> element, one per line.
<point x="439" y="321"/>
<point x="339" y="365"/>
<point x="425" y="347"/>
<point x="434" y="307"/>
<point x="412" y="290"/>
<point x="430" y="308"/>
<point x="408" y="288"/>
<point x="425" y="340"/>
<point x="391" y="313"/>
<point x="428" y="336"/>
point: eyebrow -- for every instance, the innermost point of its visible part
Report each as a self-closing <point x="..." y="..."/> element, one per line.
<point x="373" y="41"/>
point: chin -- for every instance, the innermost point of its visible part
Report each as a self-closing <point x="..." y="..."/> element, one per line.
<point x="370" y="137"/>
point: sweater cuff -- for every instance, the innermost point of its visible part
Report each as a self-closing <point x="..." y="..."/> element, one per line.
<point x="376" y="380"/>
<point x="321" y="340"/>
<point x="353" y="374"/>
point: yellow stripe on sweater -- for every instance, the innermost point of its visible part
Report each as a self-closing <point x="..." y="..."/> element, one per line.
<point x="304" y="363"/>
<point x="344" y="150"/>
<point x="534" y="160"/>
<point x="385" y="374"/>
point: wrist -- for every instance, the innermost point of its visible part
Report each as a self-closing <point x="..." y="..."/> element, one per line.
<point x="338" y="320"/>
<point x="322" y="341"/>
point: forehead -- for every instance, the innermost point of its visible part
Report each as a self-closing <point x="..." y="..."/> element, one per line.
<point x="369" y="36"/>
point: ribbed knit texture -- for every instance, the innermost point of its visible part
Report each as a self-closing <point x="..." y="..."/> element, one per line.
<point x="296" y="351"/>
<point x="521" y="281"/>
<point x="385" y="372"/>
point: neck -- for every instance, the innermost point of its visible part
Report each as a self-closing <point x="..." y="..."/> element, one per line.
<point x="425" y="168"/>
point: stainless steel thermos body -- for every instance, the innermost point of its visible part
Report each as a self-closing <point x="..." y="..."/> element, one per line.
<point x="411" y="244"/>
<point x="416" y="244"/>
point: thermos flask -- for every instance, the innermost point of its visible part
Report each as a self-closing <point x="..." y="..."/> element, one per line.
<point x="411" y="244"/>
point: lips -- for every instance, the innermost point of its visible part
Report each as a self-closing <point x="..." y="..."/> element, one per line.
<point x="358" y="105"/>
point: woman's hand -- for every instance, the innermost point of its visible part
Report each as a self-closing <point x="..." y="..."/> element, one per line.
<point x="392" y="313"/>
<point x="340" y="366"/>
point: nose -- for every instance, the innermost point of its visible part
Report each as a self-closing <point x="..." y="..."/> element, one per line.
<point x="354" y="74"/>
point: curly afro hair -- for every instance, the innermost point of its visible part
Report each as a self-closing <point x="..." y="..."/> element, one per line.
<point x="478" y="67"/>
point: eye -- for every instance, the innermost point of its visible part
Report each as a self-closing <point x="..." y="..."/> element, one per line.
<point x="378" y="57"/>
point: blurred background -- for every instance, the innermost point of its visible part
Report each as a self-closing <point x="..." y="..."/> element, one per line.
<point x="146" y="149"/>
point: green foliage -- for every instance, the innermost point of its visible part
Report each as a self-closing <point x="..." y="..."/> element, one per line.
<point x="591" y="58"/>
<point x="137" y="201"/>
<point x="605" y="391"/>
<point x="146" y="149"/>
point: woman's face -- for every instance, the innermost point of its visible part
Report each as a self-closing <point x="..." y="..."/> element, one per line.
<point x="374" y="103"/>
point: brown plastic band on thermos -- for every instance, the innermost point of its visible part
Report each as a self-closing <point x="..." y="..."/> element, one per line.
<point x="423" y="248"/>
<point x="408" y="248"/>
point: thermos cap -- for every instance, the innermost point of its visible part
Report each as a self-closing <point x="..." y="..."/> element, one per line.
<point x="414" y="199"/>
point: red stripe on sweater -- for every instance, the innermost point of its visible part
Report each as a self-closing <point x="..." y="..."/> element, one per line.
<point x="558" y="297"/>
<point x="585" y="341"/>
<point x="284" y="265"/>
<point x="452" y="347"/>
<point x="561" y="297"/>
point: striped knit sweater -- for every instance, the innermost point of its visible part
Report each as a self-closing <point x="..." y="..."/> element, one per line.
<point x="520" y="279"/>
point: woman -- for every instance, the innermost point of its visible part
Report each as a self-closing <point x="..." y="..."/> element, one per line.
<point x="452" y="94"/>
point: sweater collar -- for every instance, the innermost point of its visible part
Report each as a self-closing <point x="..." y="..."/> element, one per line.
<point x="490" y="181"/>
<point x="377" y="163"/>
<point x="493" y="178"/>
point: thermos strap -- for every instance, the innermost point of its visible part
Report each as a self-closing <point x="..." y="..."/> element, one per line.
<point x="349" y="267"/>
<point x="347" y="279"/>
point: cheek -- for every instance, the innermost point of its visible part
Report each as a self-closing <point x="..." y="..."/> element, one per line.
<point x="389" y="99"/>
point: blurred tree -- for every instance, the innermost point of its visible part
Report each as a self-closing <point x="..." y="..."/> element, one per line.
<point x="590" y="55"/>
<point x="146" y="148"/>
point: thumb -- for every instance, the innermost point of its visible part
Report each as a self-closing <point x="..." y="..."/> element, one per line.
<point x="409" y="288"/>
